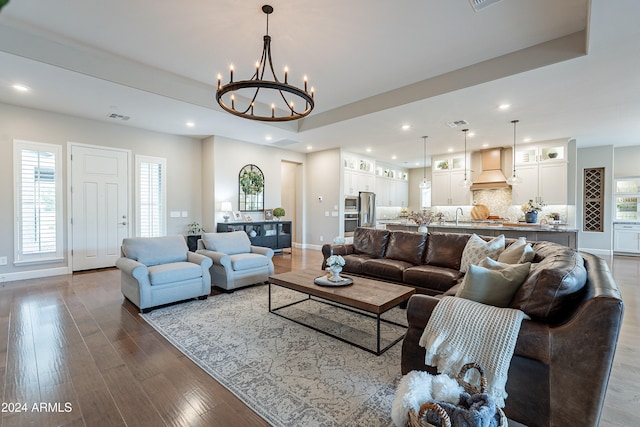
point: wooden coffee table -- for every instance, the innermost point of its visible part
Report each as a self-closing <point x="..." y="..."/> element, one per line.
<point x="367" y="297"/>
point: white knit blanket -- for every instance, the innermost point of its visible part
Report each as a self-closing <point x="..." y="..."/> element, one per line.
<point x="461" y="331"/>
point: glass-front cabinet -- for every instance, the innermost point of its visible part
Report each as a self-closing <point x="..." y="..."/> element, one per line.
<point x="627" y="199"/>
<point x="550" y="152"/>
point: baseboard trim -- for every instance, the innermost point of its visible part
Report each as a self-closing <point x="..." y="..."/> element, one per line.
<point x="5" y="278"/>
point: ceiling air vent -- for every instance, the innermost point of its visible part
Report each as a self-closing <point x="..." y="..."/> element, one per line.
<point x="457" y="123"/>
<point x="478" y="5"/>
<point x="118" y="117"/>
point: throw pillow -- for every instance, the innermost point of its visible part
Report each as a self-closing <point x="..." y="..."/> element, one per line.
<point x="477" y="249"/>
<point x="493" y="283"/>
<point x="517" y="253"/>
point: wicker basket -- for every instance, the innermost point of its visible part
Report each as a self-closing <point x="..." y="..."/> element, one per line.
<point x="417" y="419"/>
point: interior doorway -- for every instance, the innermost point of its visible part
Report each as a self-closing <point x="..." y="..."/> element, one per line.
<point x="291" y="186"/>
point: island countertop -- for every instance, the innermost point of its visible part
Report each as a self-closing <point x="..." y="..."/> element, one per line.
<point x="533" y="232"/>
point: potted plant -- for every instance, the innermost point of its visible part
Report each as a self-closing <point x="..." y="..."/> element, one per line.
<point x="278" y="213"/>
<point x="531" y="210"/>
<point x="194" y="229"/>
<point x="334" y="267"/>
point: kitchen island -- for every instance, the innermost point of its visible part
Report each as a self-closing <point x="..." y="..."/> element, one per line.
<point x="532" y="232"/>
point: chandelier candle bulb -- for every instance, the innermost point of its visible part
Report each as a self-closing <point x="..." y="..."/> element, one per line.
<point x="219" y="80"/>
<point x="273" y="110"/>
<point x="231" y="72"/>
<point x="286" y="72"/>
<point x="305" y="83"/>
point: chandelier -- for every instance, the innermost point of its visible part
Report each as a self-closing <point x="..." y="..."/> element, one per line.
<point x="277" y="93"/>
<point x="424" y="185"/>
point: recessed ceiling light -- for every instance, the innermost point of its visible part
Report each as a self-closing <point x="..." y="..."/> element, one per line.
<point x="368" y="150"/>
<point x="471" y="134"/>
<point x="485" y="145"/>
<point x="309" y="147"/>
<point x="268" y="138"/>
<point x="450" y="150"/>
<point x="394" y="157"/>
<point x="527" y="140"/>
<point x="20" y="88"/>
<point x="406" y="127"/>
<point x="190" y="124"/>
<point x="504" y="106"/>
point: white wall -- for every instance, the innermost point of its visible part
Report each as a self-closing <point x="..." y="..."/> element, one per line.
<point x="229" y="156"/>
<point x="324" y="174"/>
<point x="627" y="161"/>
<point x="183" y="168"/>
<point x="596" y="157"/>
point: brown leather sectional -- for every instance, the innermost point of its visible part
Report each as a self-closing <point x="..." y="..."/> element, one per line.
<point x="563" y="357"/>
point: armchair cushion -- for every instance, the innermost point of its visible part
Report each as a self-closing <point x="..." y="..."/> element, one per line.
<point x="173" y="272"/>
<point x="235" y="242"/>
<point x="159" y="250"/>
<point x="246" y="261"/>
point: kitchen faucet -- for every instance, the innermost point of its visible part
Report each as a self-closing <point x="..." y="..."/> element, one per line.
<point x="461" y="214"/>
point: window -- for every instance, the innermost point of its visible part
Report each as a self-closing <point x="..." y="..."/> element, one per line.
<point x="38" y="202"/>
<point x="151" y="195"/>
<point x="425" y="197"/>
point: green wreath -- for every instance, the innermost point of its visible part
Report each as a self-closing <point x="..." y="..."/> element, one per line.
<point x="251" y="182"/>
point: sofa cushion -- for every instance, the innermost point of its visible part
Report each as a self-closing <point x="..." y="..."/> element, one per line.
<point x="235" y="242"/>
<point x="478" y="249"/>
<point x="370" y="241"/>
<point x="353" y="263"/>
<point x="493" y="283"/>
<point x="445" y="249"/>
<point x="388" y="269"/>
<point x="518" y="252"/>
<point x="247" y="261"/>
<point x="155" y="250"/>
<point x="553" y="284"/>
<point x="173" y="272"/>
<point x="406" y="246"/>
<point x="431" y="277"/>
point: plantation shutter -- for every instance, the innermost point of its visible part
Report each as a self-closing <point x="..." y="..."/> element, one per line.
<point x="151" y="196"/>
<point x="38" y="202"/>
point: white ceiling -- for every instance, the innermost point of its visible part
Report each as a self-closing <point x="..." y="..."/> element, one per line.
<point x="569" y="68"/>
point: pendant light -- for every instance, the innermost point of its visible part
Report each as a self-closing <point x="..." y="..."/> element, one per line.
<point x="425" y="184"/>
<point x="514" y="179"/>
<point x="466" y="183"/>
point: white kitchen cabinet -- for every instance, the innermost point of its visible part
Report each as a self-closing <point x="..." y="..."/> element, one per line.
<point x="391" y="192"/>
<point x="446" y="189"/>
<point x="354" y="182"/>
<point x="543" y="169"/>
<point x="626" y="238"/>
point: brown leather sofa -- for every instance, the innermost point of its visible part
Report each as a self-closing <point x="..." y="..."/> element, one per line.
<point x="429" y="263"/>
<point x="563" y="356"/>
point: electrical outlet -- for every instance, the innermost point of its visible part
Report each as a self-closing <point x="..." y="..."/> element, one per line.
<point x="322" y="238"/>
<point x="3" y="260"/>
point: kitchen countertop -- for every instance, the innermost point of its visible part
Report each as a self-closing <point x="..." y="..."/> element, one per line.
<point x="492" y="225"/>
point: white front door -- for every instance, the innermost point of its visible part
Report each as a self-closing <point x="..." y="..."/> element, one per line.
<point x="100" y="205"/>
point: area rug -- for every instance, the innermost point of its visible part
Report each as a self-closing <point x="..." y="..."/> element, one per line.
<point x="289" y="374"/>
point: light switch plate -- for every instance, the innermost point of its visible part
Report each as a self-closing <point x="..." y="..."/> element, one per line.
<point x="174" y="214"/>
<point x="185" y="214"/>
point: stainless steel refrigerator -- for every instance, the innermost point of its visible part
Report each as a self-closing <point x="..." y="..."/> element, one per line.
<point x="366" y="209"/>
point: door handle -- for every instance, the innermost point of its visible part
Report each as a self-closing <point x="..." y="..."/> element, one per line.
<point x="123" y="223"/>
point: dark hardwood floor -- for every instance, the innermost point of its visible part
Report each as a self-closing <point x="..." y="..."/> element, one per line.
<point x="74" y="353"/>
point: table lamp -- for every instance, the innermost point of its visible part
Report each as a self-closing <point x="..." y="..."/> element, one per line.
<point x="226" y="208"/>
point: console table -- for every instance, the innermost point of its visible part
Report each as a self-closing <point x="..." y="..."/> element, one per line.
<point x="271" y="234"/>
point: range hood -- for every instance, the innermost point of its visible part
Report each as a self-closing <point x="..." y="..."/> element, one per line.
<point x="491" y="176"/>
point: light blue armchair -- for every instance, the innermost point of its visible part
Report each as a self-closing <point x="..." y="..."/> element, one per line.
<point x="161" y="270"/>
<point x="236" y="263"/>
